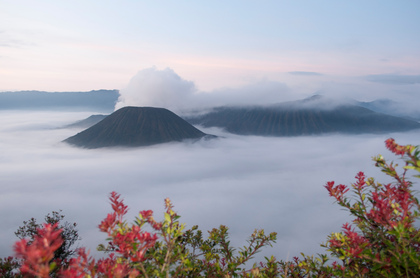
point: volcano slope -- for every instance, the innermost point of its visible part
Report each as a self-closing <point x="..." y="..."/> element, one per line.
<point x="296" y="121"/>
<point x="134" y="127"/>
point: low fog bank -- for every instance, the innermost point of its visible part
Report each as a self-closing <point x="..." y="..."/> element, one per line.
<point x="242" y="182"/>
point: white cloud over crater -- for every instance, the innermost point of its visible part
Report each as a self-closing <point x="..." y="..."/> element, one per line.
<point x="156" y="88"/>
<point x="165" y="88"/>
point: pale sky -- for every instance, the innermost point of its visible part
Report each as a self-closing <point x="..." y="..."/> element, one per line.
<point x="364" y="46"/>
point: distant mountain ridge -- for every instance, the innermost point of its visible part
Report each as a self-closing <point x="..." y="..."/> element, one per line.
<point x="391" y="107"/>
<point x="136" y="126"/>
<point x="96" y="100"/>
<point x="315" y="115"/>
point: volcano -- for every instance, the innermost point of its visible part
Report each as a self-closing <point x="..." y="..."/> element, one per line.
<point x="136" y="126"/>
<point x="296" y="119"/>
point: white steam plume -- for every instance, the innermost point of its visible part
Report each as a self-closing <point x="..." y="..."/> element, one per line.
<point x="165" y="88"/>
<point x="157" y="88"/>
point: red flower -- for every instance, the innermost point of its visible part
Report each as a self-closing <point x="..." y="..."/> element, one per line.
<point x="360" y="184"/>
<point x="337" y="191"/>
<point x="117" y="205"/>
<point x="395" y="148"/>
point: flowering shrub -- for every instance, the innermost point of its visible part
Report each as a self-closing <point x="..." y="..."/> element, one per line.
<point x="384" y="241"/>
<point x="386" y="244"/>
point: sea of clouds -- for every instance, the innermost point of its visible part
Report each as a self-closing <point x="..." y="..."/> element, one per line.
<point x="244" y="182"/>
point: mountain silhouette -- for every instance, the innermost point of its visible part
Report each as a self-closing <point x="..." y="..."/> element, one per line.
<point x="295" y="120"/>
<point x="88" y="122"/>
<point x="393" y="108"/>
<point x="97" y="100"/>
<point x="136" y="126"/>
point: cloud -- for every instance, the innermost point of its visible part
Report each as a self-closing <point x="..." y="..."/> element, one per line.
<point x="157" y="88"/>
<point x="165" y="88"/>
<point x="8" y="41"/>
<point x="12" y="43"/>
<point x="393" y="79"/>
<point x="244" y="182"/>
<point x="305" y="73"/>
<point x="262" y="92"/>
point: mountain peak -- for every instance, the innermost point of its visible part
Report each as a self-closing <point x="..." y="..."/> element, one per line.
<point x="315" y="97"/>
<point x="136" y="126"/>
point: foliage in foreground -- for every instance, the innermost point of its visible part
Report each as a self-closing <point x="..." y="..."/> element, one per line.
<point x="384" y="241"/>
<point x="69" y="234"/>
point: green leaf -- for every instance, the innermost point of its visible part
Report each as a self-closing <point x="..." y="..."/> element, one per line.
<point x="167" y="217"/>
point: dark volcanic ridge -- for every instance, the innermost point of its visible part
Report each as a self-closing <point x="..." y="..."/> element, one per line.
<point x="137" y="126"/>
<point x="295" y="121"/>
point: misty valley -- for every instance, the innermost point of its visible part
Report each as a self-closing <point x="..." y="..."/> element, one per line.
<point x="245" y="167"/>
